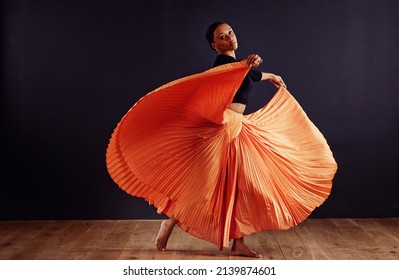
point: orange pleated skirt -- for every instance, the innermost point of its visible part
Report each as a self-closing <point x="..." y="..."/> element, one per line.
<point x="221" y="174"/>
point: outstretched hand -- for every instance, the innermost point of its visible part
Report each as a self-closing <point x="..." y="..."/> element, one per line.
<point x="277" y="81"/>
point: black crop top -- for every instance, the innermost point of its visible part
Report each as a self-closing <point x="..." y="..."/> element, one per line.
<point x="253" y="75"/>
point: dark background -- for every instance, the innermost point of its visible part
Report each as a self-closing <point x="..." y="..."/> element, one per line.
<point x="72" y="69"/>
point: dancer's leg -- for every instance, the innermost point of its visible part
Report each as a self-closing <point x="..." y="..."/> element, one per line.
<point x="164" y="233"/>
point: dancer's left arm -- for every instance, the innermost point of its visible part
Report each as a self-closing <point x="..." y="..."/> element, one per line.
<point x="274" y="79"/>
<point x="255" y="60"/>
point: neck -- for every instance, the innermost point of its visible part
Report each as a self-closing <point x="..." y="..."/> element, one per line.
<point x="229" y="53"/>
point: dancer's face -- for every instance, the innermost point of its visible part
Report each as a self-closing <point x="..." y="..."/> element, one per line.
<point x="224" y="39"/>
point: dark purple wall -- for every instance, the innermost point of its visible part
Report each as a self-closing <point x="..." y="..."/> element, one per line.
<point x="72" y="69"/>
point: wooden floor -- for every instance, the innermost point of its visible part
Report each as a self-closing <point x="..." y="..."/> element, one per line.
<point x="314" y="239"/>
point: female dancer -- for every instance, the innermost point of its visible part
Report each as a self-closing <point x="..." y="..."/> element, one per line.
<point x="222" y="39"/>
<point x="188" y="149"/>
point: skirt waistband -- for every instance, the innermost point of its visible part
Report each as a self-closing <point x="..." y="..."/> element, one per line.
<point x="232" y="120"/>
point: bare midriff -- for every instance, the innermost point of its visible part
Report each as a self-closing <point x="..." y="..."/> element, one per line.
<point x="237" y="107"/>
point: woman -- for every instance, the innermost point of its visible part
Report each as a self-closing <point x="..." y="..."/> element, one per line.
<point x="222" y="39"/>
<point x="220" y="175"/>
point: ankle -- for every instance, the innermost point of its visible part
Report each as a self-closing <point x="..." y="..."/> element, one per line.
<point x="170" y="222"/>
<point x="238" y="240"/>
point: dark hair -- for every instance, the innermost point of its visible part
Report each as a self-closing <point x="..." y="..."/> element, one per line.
<point x="210" y="30"/>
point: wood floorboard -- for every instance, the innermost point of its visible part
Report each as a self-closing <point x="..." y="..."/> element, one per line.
<point x="314" y="239"/>
<point x="291" y="245"/>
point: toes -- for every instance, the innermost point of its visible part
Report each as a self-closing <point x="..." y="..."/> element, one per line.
<point x="161" y="246"/>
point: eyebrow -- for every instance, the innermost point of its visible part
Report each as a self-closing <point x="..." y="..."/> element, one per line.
<point x="227" y="30"/>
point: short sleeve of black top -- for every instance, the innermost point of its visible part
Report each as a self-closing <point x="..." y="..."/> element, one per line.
<point x="253" y="75"/>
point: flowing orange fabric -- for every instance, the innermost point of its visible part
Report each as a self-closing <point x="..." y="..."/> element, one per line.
<point x="221" y="174"/>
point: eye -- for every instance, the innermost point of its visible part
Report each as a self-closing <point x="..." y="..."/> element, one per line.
<point x="222" y="37"/>
<point x="231" y="32"/>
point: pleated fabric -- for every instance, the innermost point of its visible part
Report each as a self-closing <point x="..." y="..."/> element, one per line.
<point x="221" y="174"/>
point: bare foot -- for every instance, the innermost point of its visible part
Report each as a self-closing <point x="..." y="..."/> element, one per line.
<point x="241" y="249"/>
<point x="164" y="233"/>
